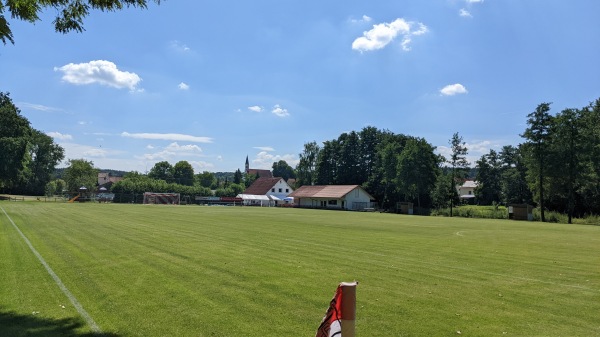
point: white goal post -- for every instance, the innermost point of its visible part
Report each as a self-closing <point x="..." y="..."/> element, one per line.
<point x="161" y="198"/>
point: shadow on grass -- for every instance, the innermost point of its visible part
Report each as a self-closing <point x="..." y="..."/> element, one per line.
<point x="16" y="325"/>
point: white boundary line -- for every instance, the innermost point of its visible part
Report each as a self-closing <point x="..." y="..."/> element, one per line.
<point x="90" y="321"/>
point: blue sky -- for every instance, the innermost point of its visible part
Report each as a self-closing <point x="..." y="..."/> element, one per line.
<point x="211" y="82"/>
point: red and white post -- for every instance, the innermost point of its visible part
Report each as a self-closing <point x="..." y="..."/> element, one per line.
<point x="340" y="317"/>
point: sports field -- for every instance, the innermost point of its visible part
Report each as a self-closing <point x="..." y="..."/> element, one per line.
<point x="136" y="270"/>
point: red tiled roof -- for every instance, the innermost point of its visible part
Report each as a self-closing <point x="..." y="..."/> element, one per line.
<point x="261" y="186"/>
<point x="261" y="173"/>
<point x="323" y="191"/>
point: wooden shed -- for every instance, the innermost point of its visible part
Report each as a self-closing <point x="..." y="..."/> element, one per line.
<point x="405" y="208"/>
<point x="520" y="212"/>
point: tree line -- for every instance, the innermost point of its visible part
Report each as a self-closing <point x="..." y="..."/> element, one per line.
<point x="557" y="167"/>
<point x="559" y="161"/>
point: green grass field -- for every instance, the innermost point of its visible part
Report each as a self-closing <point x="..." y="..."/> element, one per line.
<point x="231" y="271"/>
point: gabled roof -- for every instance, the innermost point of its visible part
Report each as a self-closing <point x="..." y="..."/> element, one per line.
<point x="325" y="191"/>
<point x="261" y="173"/>
<point x="262" y="186"/>
<point x="470" y="183"/>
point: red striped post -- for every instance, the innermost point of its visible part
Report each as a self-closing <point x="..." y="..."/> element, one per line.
<point x="339" y="320"/>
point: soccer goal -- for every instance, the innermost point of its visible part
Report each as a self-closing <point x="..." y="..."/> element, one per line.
<point x="161" y="198"/>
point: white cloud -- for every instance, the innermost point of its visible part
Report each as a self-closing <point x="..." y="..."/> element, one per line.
<point x="168" y="136"/>
<point x="384" y="33"/>
<point x="361" y="20"/>
<point x="183" y="86"/>
<point x="422" y="29"/>
<point x="465" y="13"/>
<point x="183" y="148"/>
<point x="453" y="89"/>
<point x="279" y="111"/>
<point x="159" y="156"/>
<point x="200" y="166"/>
<point x="475" y="149"/>
<point x="171" y="151"/>
<point x="59" y="136"/>
<point x="265" y="160"/>
<point x="73" y="150"/>
<point x="256" y="108"/>
<point x="265" y="148"/>
<point x="95" y="153"/>
<point x="38" y="107"/>
<point x="480" y="147"/>
<point x="101" y="72"/>
<point x="179" y="46"/>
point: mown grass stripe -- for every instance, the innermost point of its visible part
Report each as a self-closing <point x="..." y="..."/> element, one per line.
<point x="89" y="320"/>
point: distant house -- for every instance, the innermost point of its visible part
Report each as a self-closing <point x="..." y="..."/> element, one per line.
<point x="466" y="191"/>
<point x="349" y="197"/>
<point x="106" y="180"/>
<point x="261" y="173"/>
<point x="271" y="190"/>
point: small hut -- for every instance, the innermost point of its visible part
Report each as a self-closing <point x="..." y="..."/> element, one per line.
<point x="520" y="212"/>
<point x="405" y="208"/>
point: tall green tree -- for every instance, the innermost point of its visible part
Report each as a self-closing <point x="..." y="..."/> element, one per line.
<point x="389" y="166"/>
<point x="568" y="157"/>
<point x="382" y="183"/>
<point x="489" y="178"/>
<point x="43" y="155"/>
<point x="69" y="17"/>
<point x="418" y="168"/>
<point x="307" y="165"/>
<point x="515" y="189"/>
<point x="370" y="138"/>
<point x="15" y="133"/>
<point x="206" y="179"/>
<point x="349" y="168"/>
<point x="249" y="179"/>
<point x="327" y="164"/>
<point x="590" y="132"/>
<point x="442" y="190"/>
<point x="537" y="148"/>
<point x="81" y="173"/>
<point x="162" y="170"/>
<point x="282" y="169"/>
<point x="237" y="177"/>
<point x="458" y="164"/>
<point x="183" y="173"/>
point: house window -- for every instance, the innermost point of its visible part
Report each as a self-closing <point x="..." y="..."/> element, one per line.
<point x="332" y="202"/>
<point x="470" y="192"/>
<point x="273" y="190"/>
<point x="287" y="190"/>
<point x="280" y="190"/>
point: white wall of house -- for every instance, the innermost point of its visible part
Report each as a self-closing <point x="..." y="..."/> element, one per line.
<point x="357" y="195"/>
<point x="349" y="201"/>
<point x="468" y="188"/>
<point x="280" y="190"/>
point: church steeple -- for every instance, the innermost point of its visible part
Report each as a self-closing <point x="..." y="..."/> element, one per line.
<point x="247" y="165"/>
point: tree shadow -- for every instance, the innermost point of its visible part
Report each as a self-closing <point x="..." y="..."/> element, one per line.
<point x="18" y="325"/>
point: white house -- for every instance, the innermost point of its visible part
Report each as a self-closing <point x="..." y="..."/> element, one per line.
<point x="266" y="190"/>
<point x="466" y="191"/>
<point x="349" y="197"/>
